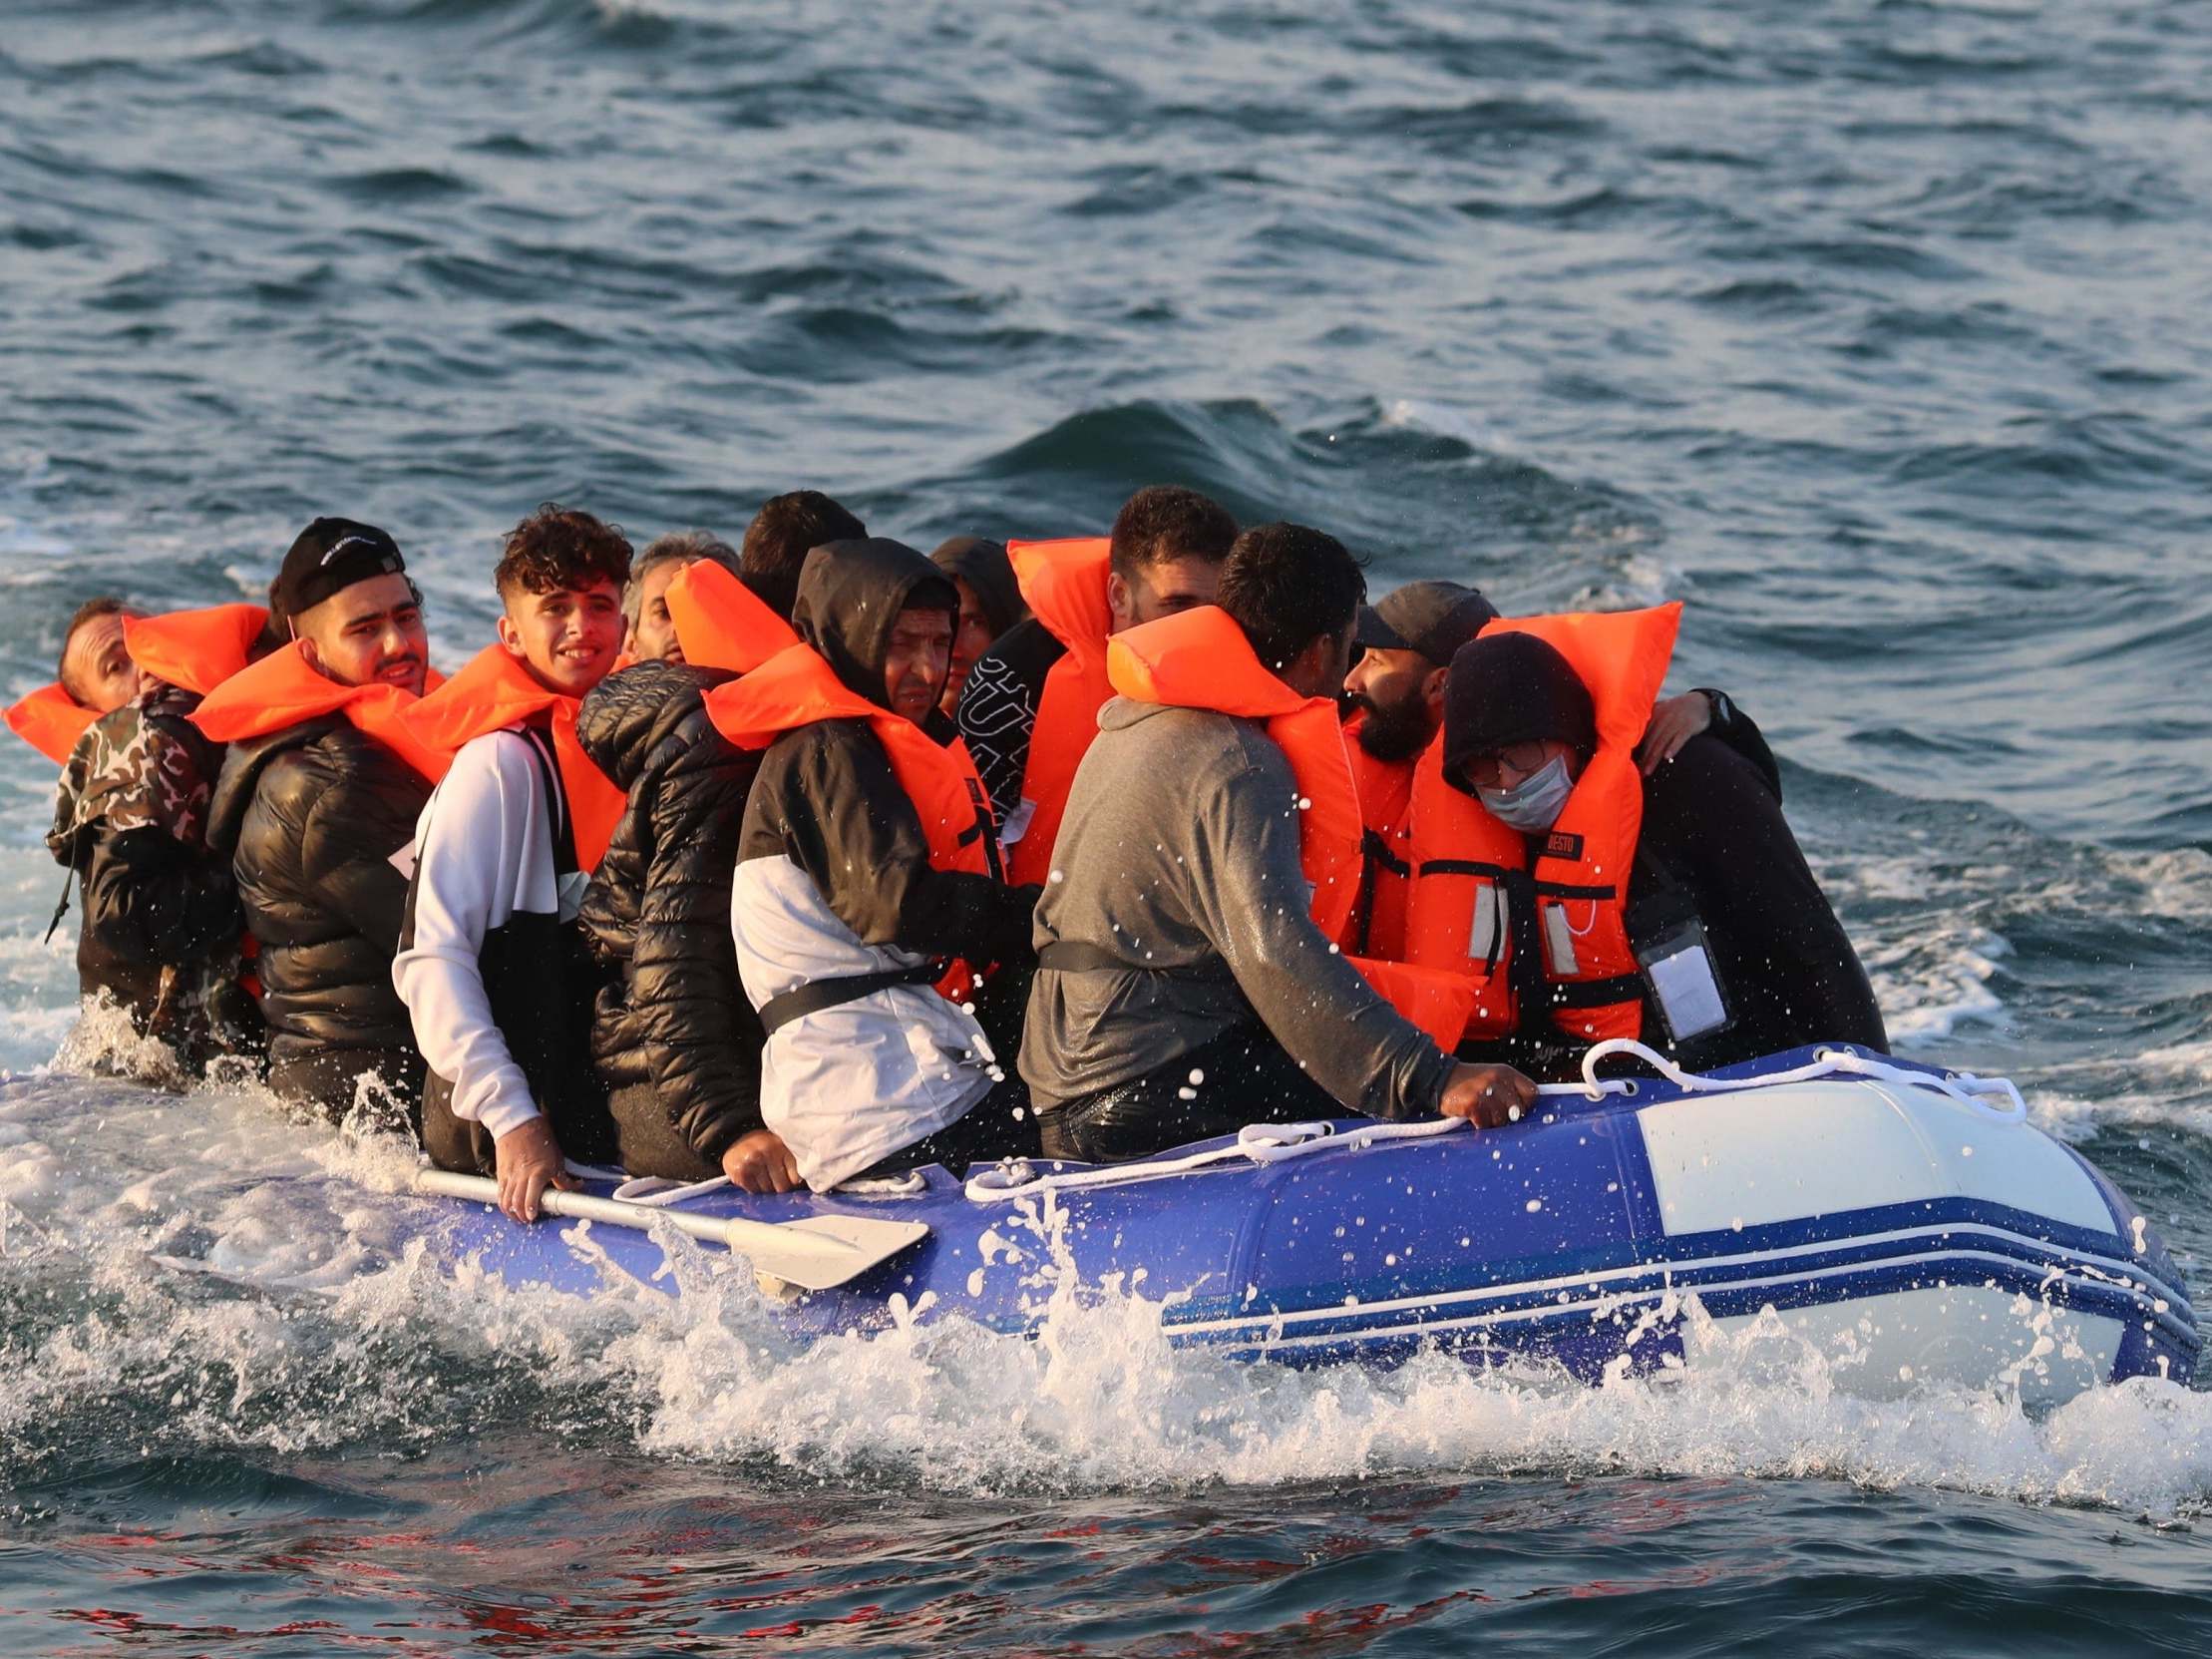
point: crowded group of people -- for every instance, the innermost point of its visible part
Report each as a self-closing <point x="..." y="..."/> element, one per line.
<point x="818" y="859"/>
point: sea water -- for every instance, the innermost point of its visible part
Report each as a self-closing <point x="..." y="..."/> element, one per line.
<point x="1876" y="333"/>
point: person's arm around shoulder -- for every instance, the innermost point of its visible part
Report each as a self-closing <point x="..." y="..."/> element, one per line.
<point x="473" y="838"/>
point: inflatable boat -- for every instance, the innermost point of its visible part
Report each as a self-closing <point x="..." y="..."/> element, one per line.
<point x="1906" y="1220"/>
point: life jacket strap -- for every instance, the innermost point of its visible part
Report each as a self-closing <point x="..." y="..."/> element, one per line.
<point x="1075" y="955"/>
<point x="817" y="995"/>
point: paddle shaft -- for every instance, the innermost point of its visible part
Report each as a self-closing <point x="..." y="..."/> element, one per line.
<point x="746" y="1237"/>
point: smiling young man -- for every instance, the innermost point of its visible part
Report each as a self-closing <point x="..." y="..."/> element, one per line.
<point x="492" y="966"/>
<point x="864" y="869"/>
<point x="320" y="788"/>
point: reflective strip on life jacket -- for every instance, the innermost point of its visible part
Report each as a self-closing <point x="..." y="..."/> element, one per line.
<point x="1547" y="937"/>
<point x="1064" y="584"/>
<point x="51" y="721"/>
<point x="497" y="691"/>
<point x="195" y="650"/>
<point x="721" y="623"/>
<point x="1200" y="658"/>
<point x="282" y="691"/>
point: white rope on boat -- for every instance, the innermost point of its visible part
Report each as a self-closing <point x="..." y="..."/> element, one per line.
<point x="1268" y="1143"/>
<point x="1964" y="1087"/>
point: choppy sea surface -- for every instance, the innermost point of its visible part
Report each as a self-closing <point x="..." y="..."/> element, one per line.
<point x="1880" y="333"/>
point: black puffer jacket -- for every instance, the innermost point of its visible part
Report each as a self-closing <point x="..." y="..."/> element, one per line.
<point x="310" y="818"/>
<point x="658" y="908"/>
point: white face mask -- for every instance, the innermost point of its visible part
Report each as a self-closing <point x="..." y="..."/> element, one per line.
<point x="1534" y="804"/>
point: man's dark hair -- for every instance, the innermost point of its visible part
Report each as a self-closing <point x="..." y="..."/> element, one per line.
<point x="104" y="605"/>
<point x="782" y="534"/>
<point x="1166" y="521"/>
<point x="559" y="547"/>
<point x="1288" y="586"/>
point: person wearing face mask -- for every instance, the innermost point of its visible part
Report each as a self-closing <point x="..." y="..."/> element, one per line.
<point x="1591" y="900"/>
<point x="1189" y="980"/>
<point x="1394" y="705"/>
<point x="867" y="904"/>
<point x="320" y="788"/>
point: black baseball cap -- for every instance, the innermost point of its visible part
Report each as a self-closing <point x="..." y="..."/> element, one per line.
<point x="1432" y="618"/>
<point x="330" y="554"/>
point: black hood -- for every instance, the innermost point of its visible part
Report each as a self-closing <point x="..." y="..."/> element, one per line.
<point x="850" y="596"/>
<point x="984" y="566"/>
<point x="626" y="714"/>
<point x="1508" y="688"/>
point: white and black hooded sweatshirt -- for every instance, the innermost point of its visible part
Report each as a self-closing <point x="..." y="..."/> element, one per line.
<point x="491" y="965"/>
<point x="834" y="883"/>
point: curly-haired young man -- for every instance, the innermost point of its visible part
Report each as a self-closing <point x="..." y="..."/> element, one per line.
<point x="492" y="966"/>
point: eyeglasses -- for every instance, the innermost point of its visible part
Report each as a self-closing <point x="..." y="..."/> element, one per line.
<point x="1522" y="760"/>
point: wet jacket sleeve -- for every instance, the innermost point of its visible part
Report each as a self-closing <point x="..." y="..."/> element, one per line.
<point x="861" y="844"/>
<point x="151" y="901"/>
<point x="702" y="1037"/>
<point x="1249" y="894"/>
<point x="1741" y="734"/>
<point x="1792" y="971"/>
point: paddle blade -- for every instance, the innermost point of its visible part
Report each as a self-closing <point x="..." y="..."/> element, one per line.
<point x="822" y="1252"/>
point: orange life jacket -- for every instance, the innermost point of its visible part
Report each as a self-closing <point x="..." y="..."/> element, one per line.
<point x="51" y="721"/>
<point x="195" y="650"/>
<point x="282" y="691"/>
<point x="1064" y="582"/>
<point x="796" y="688"/>
<point x="1475" y="886"/>
<point x="496" y="690"/>
<point x="1385" y="789"/>
<point x="1200" y="658"/>
<point x="721" y="623"/>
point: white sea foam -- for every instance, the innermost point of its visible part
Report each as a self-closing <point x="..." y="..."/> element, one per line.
<point x="175" y="1296"/>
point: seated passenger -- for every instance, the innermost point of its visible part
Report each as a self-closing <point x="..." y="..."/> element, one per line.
<point x="1188" y="982"/>
<point x="1395" y="694"/>
<point x="990" y="604"/>
<point x="782" y="534"/>
<point x="1030" y="705"/>
<point x="160" y="929"/>
<point x="649" y="633"/>
<point x="320" y="794"/>
<point x="495" y="973"/>
<point x="675" y="1039"/>
<point x="96" y="676"/>
<point x="1717" y="947"/>
<point x="866" y="861"/>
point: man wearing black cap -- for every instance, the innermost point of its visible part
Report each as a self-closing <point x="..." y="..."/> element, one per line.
<point x="1736" y="951"/>
<point x="316" y="807"/>
<point x="1394" y="697"/>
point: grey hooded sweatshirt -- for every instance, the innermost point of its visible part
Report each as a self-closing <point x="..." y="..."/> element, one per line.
<point x="1179" y="858"/>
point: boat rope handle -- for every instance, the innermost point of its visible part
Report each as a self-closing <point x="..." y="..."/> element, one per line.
<point x="1969" y="1091"/>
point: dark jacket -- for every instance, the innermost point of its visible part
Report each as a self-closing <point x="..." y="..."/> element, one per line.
<point x="997" y="714"/>
<point x="674" y="1016"/>
<point x="1714" y="845"/>
<point x="160" y="922"/>
<point x="311" y="818"/>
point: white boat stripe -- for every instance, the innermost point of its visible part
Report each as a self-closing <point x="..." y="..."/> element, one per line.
<point x="1599" y="1305"/>
<point x="1527" y="1287"/>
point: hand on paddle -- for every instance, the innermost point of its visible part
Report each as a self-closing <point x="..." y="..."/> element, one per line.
<point x="1673" y="723"/>
<point x="527" y="1160"/>
<point x="1486" y="1095"/>
<point x="761" y="1163"/>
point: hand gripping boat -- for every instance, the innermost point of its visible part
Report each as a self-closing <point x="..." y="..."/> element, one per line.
<point x="1906" y="1220"/>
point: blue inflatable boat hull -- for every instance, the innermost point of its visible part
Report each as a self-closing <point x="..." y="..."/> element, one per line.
<point x="1908" y="1236"/>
